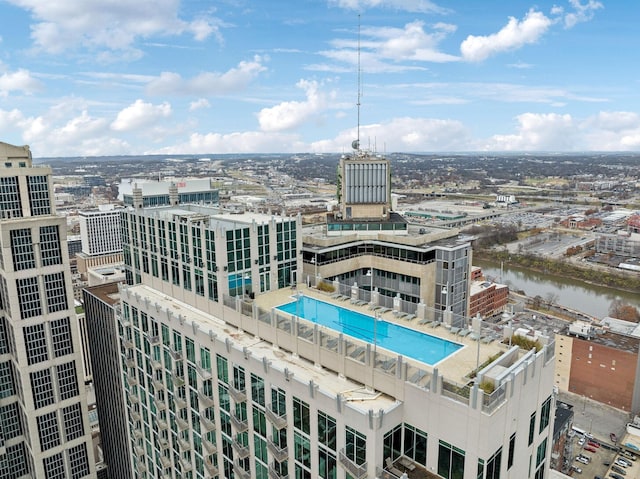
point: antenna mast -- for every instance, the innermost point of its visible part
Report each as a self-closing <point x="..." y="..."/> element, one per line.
<point x="356" y="145"/>
<point x="359" y="80"/>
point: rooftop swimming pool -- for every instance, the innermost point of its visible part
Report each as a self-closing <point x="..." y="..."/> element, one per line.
<point x="394" y="337"/>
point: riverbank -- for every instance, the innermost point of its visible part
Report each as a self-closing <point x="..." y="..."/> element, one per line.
<point x="586" y="274"/>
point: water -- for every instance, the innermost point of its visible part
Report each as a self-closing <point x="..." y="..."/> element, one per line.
<point x="394" y="337"/>
<point x="587" y="298"/>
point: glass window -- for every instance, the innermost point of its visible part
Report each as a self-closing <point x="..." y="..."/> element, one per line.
<point x="450" y="461"/>
<point x="544" y="414"/>
<point x="301" y="418"/>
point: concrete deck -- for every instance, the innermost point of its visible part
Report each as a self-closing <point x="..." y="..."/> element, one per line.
<point x="455" y="367"/>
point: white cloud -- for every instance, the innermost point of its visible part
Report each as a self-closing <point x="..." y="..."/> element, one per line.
<point x="140" y="114"/>
<point x="291" y="114"/>
<point x="111" y="24"/>
<point x="538" y="132"/>
<point x="403" y="134"/>
<point x="20" y="80"/>
<point x="208" y="83"/>
<point x="198" y="104"/>
<point x="512" y="36"/>
<point x="582" y="13"/>
<point x="237" y="142"/>
<point x="422" y="6"/>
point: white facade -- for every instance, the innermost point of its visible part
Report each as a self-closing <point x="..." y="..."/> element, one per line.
<point x="246" y="395"/>
<point x="100" y="230"/>
<point x="43" y="408"/>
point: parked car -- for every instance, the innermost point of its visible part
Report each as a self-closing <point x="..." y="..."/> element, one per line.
<point x="613" y="475"/>
<point x="593" y="444"/>
<point x="581" y="441"/>
<point x="586" y="458"/>
<point x="620" y="462"/>
<point x="576" y="469"/>
<point x="629" y="455"/>
<point x="589" y="448"/>
<point x="583" y="460"/>
<point x="619" y="470"/>
<point x="626" y="461"/>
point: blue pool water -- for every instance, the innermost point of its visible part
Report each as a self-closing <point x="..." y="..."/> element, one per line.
<point x="394" y="337"/>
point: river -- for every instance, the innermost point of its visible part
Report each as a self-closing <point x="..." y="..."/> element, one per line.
<point x="587" y="298"/>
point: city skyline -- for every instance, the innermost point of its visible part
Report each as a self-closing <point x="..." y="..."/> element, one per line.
<point x="90" y="79"/>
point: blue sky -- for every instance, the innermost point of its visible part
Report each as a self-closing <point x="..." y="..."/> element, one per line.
<point x="111" y="77"/>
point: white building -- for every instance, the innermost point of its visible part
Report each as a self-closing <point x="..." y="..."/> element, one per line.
<point x="100" y="230"/>
<point x="219" y="384"/>
<point x="44" y="427"/>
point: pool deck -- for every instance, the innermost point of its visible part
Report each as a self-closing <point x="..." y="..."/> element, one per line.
<point x="455" y="367"/>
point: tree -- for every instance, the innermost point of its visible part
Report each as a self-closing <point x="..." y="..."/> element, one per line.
<point x="551" y="298"/>
<point x="625" y="311"/>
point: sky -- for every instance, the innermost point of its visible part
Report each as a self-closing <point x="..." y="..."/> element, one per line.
<point x="122" y="77"/>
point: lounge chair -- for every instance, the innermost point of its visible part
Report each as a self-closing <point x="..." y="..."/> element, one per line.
<point x="335" y="295"/>
<point x="463" y="332"/>
<point x="417" y="376"/>
<point x="454" y="330"/>
<point x="474" y="336"/>
<point x="425" y="322"/>
<point x="435" y="324"/>
<point x="391" y="468"/>
<point x="487" y="340"/>
<point x="410" y="317"/>
<point x="384" y="310"/>
<point x="357" y="353"/>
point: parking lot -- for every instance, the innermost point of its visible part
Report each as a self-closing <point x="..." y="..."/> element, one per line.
<point x="598" y="461"/>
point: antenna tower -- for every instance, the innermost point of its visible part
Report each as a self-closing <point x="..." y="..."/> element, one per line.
<point x="356" y="144"/>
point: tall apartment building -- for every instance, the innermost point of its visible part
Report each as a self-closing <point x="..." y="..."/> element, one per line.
<point x="100" y="304"/>
<point x="219" y="382"/>
<point x="100" y="230"/>
<point x="413" y="269"/>
<point x="43" y="409"/>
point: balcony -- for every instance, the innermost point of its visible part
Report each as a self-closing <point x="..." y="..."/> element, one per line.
<point x="132" y="381"/>
<point x="141" y="467"/>
<point x="158" y="385"/>
<point x="166" y="462"/>
<point x="137" y="434"/>
<point x="240" y="472"/>
<point x="278" y="453"/>
<point x="161" y="405"/>
<point x="153" y="340"/>
<point x="240" y="425"/>
<point x="130" y="362"/>
<point x="184" y="445"/>
<point x="156" y="364"/>
<point x="211" y="469"/>
<point x="207" y="424"/>
<point x="186" y="464"/>
<point x="279" y="422"/>
<point x="237" y="394"/>
<point x="240" y="450"/>
<point x="164" y="444"/>
<point x="162" y="424"/>
<point x="274" y="474"/>
<point x="176" y="354"/>
<point x="178" y="381"/>
<point x="182" y="424"/>
<point x="139" y="450"/>
<point x="209" y="446"/>
<point x="135" y="416"/>
<point x="180" y="403"/>
<point x="206" y="400"/>
<point x="133" y="398"/>
<point x="359" y="471"/>
<point x="204" y="373"/>
<point x="127" y="344"/>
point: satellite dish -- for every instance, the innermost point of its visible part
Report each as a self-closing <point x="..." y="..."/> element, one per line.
<point x="355" y="144"/>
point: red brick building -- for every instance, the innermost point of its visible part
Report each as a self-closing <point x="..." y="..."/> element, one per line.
<point x="487" y="298"/>
<point x="599" y="364"/>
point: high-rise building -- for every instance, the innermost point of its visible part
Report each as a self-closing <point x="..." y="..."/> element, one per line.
<point x="43" y="408"/>
<point x="100" y="230"/>
<point x="228" y="373"/>
<point x="100" y="304"/>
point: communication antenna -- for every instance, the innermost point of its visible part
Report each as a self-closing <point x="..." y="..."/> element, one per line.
<point x="356" y="143"/>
